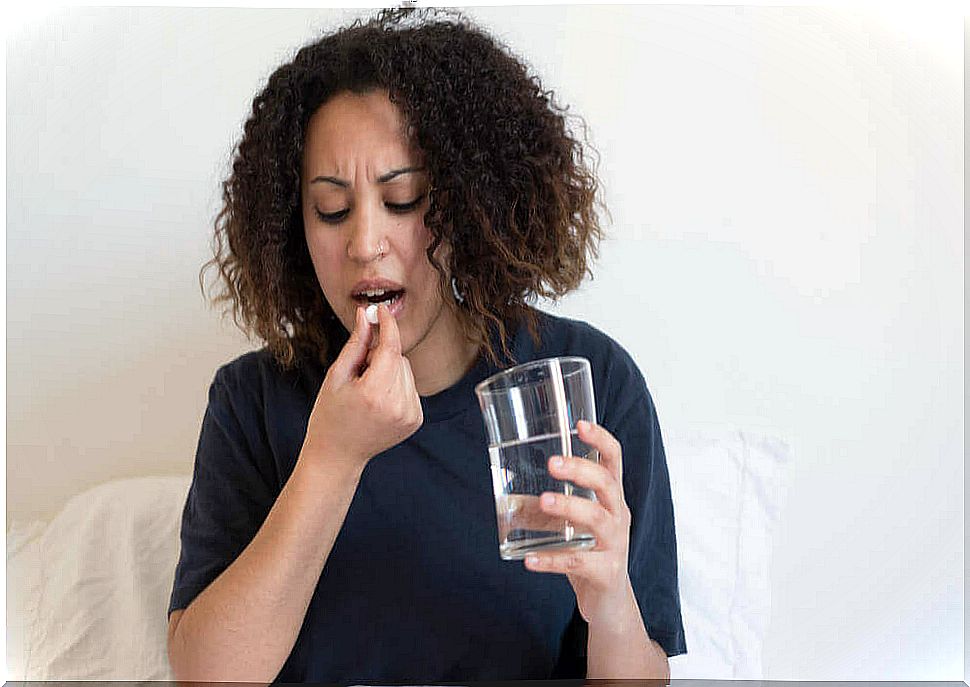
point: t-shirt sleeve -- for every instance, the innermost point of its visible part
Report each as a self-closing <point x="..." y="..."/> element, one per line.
<point x="646" y="486"/>
<point x="231" y="491"/>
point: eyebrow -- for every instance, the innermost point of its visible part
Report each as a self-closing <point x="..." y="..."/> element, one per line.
<point x="383" y="179"/>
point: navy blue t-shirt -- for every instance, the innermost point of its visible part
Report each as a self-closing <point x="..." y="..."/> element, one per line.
<point x="414" y="589"/>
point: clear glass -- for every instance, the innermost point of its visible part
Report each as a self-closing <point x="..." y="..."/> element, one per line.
<point x="530" y="413"/>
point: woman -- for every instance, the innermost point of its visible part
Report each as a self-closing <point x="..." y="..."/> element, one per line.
<point x="340" y="525"/>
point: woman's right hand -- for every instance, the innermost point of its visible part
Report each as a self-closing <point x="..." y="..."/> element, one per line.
<point x="357" y="415"/>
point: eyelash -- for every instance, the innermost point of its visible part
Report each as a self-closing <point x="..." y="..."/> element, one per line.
<point x="336" y="217"/>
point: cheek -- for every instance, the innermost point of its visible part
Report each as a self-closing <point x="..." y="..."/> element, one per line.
<point x="325" y="258"/>
<point x="412" y="243"/>
<point x="323" y="250"/>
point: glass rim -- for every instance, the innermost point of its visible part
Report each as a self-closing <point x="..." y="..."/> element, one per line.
<point x="482" y="387"/>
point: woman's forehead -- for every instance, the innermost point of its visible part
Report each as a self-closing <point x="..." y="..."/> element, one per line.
<point x="347" y="114"/>
<point x="350" y="129"/>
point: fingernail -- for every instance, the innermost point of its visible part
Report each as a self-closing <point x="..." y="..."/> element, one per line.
<point x="556" y="461"/>
<point x="548" y="499"/>
<point x="531" y="559"/>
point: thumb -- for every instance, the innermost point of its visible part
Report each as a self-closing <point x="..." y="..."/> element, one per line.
<point x="354" y="352"/>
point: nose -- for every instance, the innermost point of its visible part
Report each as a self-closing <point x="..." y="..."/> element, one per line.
<point x="366" y="240"/>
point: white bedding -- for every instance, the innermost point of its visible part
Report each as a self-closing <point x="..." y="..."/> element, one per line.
<point x="728" y="489"/>
<point x="94" y="585"/>
<point x="87" y="593"/>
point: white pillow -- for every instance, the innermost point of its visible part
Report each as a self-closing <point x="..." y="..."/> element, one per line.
<point x="22" y="589"/>
<point x="95" y="585"/>
<point x="728" y="488"/>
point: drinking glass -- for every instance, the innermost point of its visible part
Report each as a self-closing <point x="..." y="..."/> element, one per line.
<point x="530" y="413"/>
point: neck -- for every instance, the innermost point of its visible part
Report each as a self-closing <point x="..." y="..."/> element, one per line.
<point x="440" y="363"/>
<point x="443" y="371"/>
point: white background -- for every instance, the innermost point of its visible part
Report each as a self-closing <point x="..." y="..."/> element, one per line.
<point x="786" y="254"/>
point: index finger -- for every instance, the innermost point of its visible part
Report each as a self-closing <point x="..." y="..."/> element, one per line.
<point x="611" y="453"/>
<point x="389" y="337"/>
<point x="354" y="352"/>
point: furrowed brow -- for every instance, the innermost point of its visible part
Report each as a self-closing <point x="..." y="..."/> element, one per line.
<point x="383" y="179"/>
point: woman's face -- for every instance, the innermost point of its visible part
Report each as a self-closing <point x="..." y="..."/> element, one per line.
<point x="364" y="194"/>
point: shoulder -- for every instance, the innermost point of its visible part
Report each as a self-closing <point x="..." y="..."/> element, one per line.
<point x="572" y="333"/>
<point x="617" y="379"/>
<point x="256" y="376"/>
<point x="567" y="336"/>
<point x="246" y="368"/>
<point x="242" y="375"/>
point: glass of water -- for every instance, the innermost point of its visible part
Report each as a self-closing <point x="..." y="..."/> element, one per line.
<point x="530" y="413"/>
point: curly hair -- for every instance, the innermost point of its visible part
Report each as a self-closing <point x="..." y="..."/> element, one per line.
<point x="513" y="196"/>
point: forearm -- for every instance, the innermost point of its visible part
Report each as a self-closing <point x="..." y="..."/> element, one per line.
<point x="244" y="625"/>
<point x="620" y="648"/>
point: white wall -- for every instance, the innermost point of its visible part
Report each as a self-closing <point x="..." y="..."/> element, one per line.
<point x="786" y="254"/>
<point x="966" y="293"/>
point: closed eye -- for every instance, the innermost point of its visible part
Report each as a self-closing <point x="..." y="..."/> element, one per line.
<point x="405" y="207"/>
<point x="398" y="208"/>
<point x="331" y="217"/>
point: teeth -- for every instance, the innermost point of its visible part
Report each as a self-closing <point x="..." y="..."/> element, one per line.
<point x="374" y="292"/>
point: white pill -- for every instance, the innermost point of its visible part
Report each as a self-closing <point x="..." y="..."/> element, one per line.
<point x="371" y="313"/>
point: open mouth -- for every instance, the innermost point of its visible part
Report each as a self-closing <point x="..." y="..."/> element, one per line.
<point x="377" y="296"/>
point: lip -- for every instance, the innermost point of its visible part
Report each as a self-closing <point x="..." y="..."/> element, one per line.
<point x="374" y="284"/>
<point x="395" y="308"/>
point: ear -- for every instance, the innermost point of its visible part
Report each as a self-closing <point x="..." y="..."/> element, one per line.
<point x="443" y="252"/>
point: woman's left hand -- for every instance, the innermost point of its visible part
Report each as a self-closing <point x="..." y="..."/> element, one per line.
<point x="598" y="575"/>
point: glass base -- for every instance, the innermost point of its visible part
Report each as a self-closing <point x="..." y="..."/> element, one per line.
<point x="517" y="550"/>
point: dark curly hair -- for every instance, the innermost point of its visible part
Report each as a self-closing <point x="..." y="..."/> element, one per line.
<point x="513" y="196"/>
